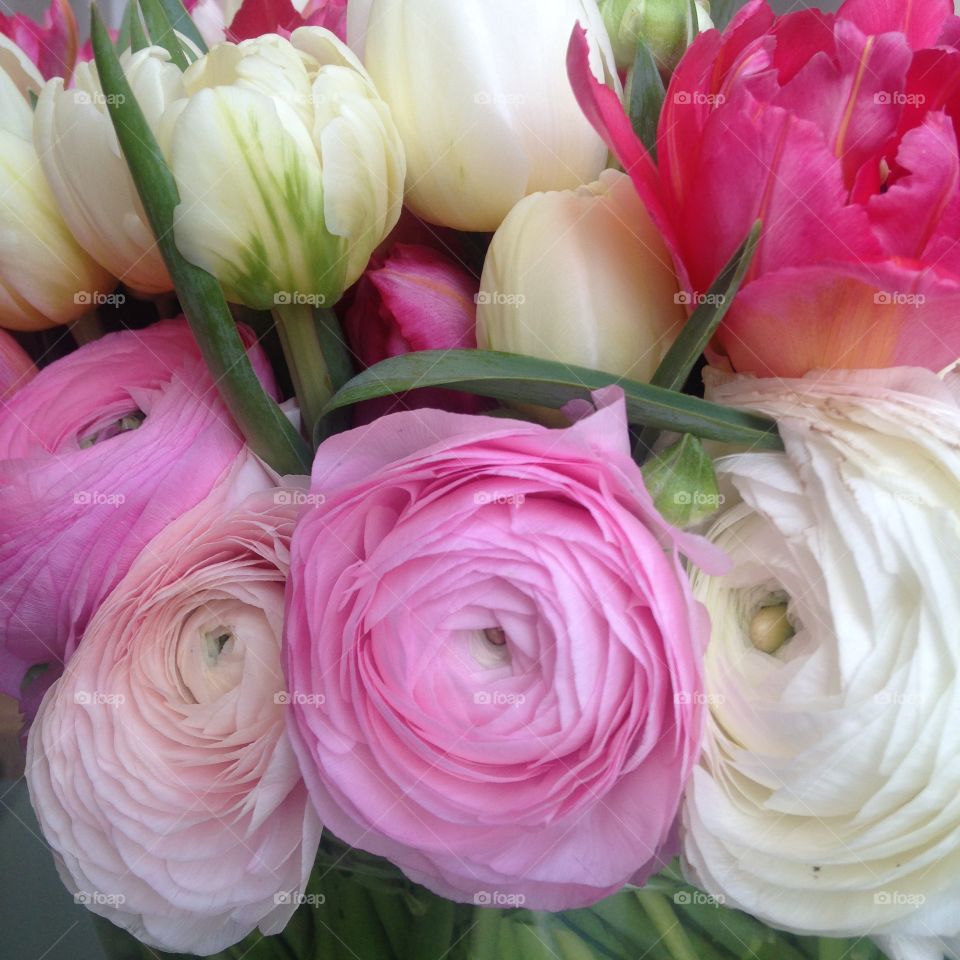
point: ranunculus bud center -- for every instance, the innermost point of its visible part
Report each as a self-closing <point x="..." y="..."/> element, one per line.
<point x="770" y="628"/>
<point x="126" y="423"/>
<point x="489" y="647"/>
<point x="216" y="640"/>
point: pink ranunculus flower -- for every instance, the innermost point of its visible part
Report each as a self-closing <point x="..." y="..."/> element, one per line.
<point x="51" y="45"/>
<point x="497" y="626"/>
<point x="416" y="298"/>
<point x="16" y="367"/>
<point x="158" y="765"/>
<point x="839" y="132"/>
<point x="98" y="453"/>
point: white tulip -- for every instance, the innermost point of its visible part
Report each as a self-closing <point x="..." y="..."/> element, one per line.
<point x="582" y="277"/>
<point x="828" y="797"/>
<point x="289" y="167"/>
<point x="479" y="92"/>
<point x="45" y="277"/>
<point x="88" y="174"/>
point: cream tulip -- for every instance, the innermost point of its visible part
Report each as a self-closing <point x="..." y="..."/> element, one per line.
<point x="88" y="174"/>
<point x="581" y="277"/>
<point x="45" y="277"/>
<point x="289" y="167"/>
<point x="479" y="92"/>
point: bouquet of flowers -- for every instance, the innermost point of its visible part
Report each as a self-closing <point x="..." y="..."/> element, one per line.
<point x="481" y="478"/>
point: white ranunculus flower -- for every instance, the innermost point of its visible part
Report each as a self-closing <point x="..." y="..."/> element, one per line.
<point x="88" y="174"/>
<point x="828" y="797"/>
<point x="479" y="92"/>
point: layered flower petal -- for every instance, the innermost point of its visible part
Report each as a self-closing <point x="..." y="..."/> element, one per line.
<point x="826" y="800"/>
<point x="98" y="453"/>
<point x="519" y="728"/>
<point x="159" y="766"/>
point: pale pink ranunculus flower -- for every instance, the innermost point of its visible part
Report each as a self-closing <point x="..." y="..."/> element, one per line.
<point x="494" y="654"/>
<point x="98" y="453"/>
<point x="158" y="765"/>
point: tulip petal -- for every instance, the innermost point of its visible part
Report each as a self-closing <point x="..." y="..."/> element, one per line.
<point x="251" y="188"/>
<point x="603" y="109"/>
<point x="843" y="316"/>
<point x="851" y="97"/>
<point x="699" y="83"/>
<point x="920" y="212"/>
<point x="800" y="36"/>
<point x="763" y="163"/>
<point x="921" y="22"/>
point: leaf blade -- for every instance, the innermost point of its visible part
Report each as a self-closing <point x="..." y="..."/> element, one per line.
<point x="517" y="378"/>
<point x="265" y="427"/>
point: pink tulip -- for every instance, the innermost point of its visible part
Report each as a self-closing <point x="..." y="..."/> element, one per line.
<point x="257" y="17"/>
<point x="98" y="453"/>
<point x="839" y="132"/>
<point x="16" y="367"/>
<point x="52" y="44"/>
<point x="159" y="764"/>
<point x="493" y="654"/>
<point x="414" y="299"/>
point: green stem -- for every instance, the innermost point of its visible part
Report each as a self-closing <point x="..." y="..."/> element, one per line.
<point x="267" y="430"/>
<point x="484" y="937"/>
<point x="668" y="926"/>
<point x="308" y="368"/>
<point x="830" y="949"/>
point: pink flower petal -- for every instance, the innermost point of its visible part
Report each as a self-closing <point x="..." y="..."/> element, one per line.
<point x="843" y="316"/>
<point x="922" y="22"/>
<point x="52" y="44"/>
<point x="603" y="109"/>
<point x="922" y="207"/>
